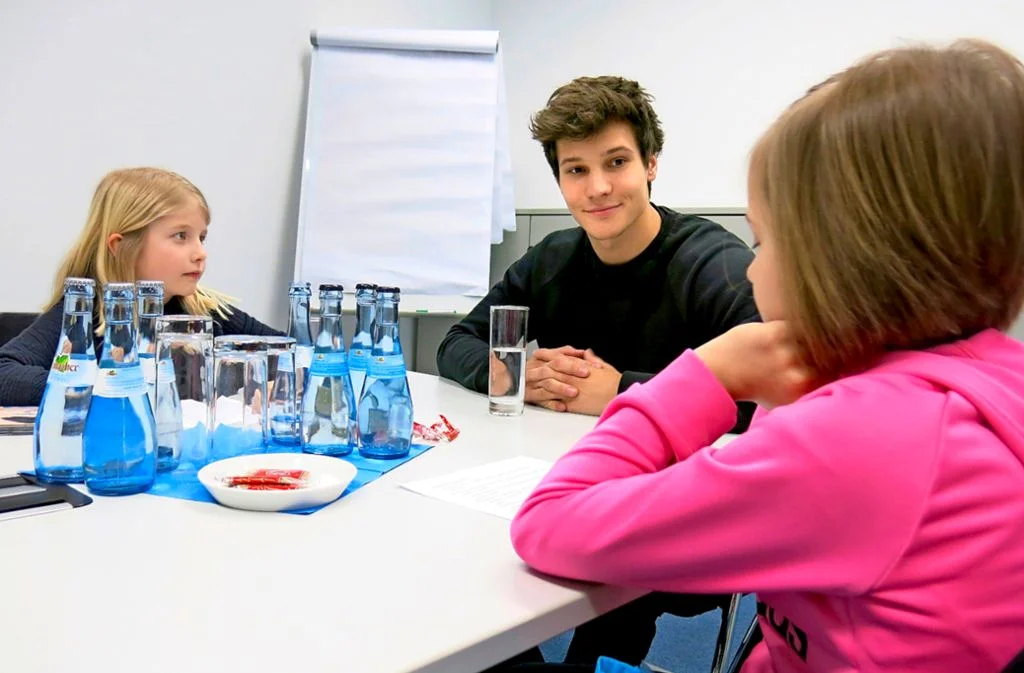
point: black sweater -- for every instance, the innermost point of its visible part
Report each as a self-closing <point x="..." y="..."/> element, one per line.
<point x="25" y="360"/>
<point x="687" y="287"/>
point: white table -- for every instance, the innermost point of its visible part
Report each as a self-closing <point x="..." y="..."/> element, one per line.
<point x="383" y="581"/>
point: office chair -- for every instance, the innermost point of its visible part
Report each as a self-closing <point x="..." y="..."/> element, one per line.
<point x="724" y="639"/>
<point x="725" y="630"/>
<point x="750" y="639"/>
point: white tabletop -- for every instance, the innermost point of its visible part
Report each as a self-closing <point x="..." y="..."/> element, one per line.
<point x="382" y="581"/>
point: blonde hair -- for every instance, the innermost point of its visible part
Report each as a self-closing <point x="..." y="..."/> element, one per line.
<point x="895" y="195"/>
<point x="126" y="202"/>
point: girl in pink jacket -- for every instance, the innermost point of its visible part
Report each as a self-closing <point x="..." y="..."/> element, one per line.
<point x="876" y="505"/>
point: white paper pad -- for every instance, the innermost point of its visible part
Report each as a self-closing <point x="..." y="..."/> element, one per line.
<point x="425" y="113"/>
<point x="496" y="488"/>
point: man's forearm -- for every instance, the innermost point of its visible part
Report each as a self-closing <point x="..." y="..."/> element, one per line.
<point x="463" y="358"/>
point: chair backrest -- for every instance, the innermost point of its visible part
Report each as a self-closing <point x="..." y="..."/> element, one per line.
<point x="13" y="324"/>
<point x="751" y="638"/>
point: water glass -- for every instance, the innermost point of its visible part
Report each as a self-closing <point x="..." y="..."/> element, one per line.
<point x="184" y="387"/>
<point x="240" y="396"/>
<point x="284" y="420"/>
<point x="506" y="390"/>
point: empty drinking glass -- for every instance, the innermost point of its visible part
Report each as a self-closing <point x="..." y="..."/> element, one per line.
<point x="240" y="396"/>
<point x="282" y="403"/>
<point x="184" y="388"/>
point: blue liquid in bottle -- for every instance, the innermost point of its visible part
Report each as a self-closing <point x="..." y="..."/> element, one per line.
<point x="362" y="338"/>
<point x="329" y="404"/>
<point x="60" y="421"/>
<point x="385" y="406"/>
<point x="165" y="401"/>
<point x="119" y="441"/>
<point x="300" y="330"/>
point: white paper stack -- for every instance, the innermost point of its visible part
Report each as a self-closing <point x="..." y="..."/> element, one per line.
<point x="407" y="177"/>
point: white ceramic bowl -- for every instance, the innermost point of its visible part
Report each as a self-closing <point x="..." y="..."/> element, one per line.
<point x="328" y="479"/>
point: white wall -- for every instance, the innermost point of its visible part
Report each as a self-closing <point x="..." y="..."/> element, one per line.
<point x="720" y="70"/>
<point x="213" y="89"/>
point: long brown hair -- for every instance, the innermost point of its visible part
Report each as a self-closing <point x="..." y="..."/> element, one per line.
<point x="126" y="202"/>
<point x="895" y="195"/>
<point x="584" y="106"/>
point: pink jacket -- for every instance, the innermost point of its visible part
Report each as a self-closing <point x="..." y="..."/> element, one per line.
<point x="879" y="519"/>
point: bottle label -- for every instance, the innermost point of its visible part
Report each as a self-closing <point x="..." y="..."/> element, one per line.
<point x="386" y="366"/>
<point x="358" y="359"/>
<point x="148" y="364"/>
<point x="71" y="371"/>
<point x="329" y="364"/>
<point x="126" y="381"/>
<point x="285" y="362"/>
<point x="165" y="371"/>
<point x="150" y="367"/>
<point x="303" y="357"/>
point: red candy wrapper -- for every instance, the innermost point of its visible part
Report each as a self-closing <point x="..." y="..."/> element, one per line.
<point x="268" y="480"/>
<point x="441" y="431"/>
<point x="425" y="433"/>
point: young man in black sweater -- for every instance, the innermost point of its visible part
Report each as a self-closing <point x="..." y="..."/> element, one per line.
<point x="612" y="302"/>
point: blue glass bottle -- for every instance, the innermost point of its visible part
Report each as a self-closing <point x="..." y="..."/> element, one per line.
<point x="299" y="329"/>
<point x="150" y="296"/>
<point x="385" y="406"/>
<point x="362" y="338"/>
<point x="166" y="403"/>
<point x="119" y="442"/>
<point x="329" y="404"/>
<point x="283" y="409"/>
<point x="57" y="437"/>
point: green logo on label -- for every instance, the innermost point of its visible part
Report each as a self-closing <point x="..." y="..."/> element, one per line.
<point x="62" y="363"/>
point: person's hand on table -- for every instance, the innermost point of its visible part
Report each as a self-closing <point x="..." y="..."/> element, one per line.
<point x="553" y="376"/>
<point x="596" y="390"/>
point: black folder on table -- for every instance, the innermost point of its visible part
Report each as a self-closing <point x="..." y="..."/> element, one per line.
<point x="17" y="420"/>
<point x="24" y="495"/>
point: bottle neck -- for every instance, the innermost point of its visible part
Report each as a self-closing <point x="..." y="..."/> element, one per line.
<point x="77" y="303"/>
<point x="151" y="305"/>
<point x="119" y="347"/>
<point x="386" y="340"/>
<point x="365" y="311"/>
<point x="150" y="309"/>
<point x="331" y="336"/>
<point x="387" y="312"/>
<point x="299" y="321"/>
<point x="147" y="336"/>
<point x="77" y="329"/>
